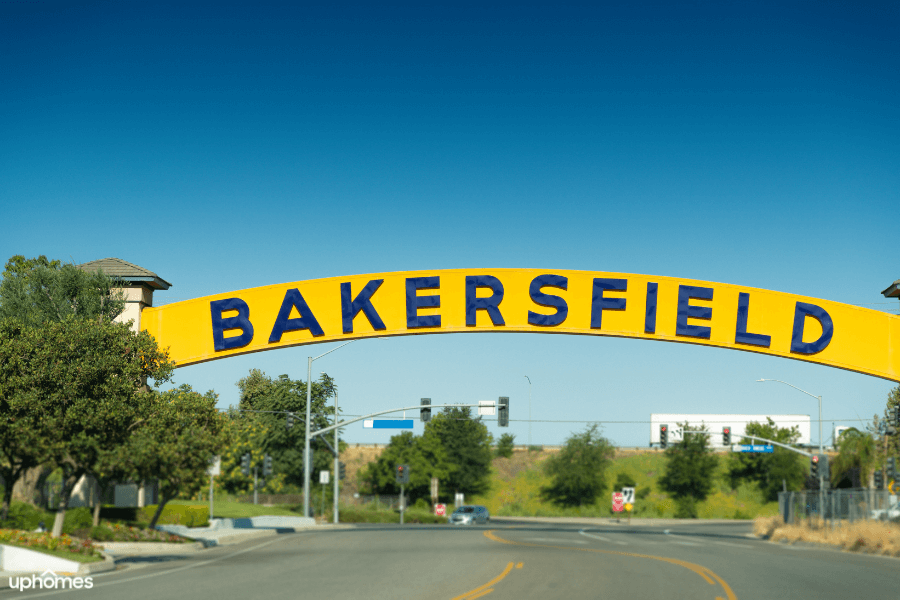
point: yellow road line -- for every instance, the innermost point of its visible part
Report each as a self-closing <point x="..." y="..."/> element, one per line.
<point x="471" y="595"/>
<point x="484" y="593"/>
<point x="700" y="570"/>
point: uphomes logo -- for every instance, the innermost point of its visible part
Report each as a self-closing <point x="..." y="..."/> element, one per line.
<point x="48" y="580"/>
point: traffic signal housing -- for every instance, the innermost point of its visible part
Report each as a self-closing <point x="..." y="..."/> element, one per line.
<point x="342" y="470"/>
<point x="503" y="411"/>
<point x="726" y="436"/>
<point x="402" y="474"/>
<point x="290" y="421"/>
<point x="245" y="464"/>
<point x="425" y="411"/>
<point x="891" y="470"/>
<point x="814" y="466"/>
<point x="663" y="436"/>
<point x="879" y="480"/>
<point x="267" y="466"/>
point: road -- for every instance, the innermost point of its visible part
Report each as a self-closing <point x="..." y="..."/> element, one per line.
<point x="508" y="560"/>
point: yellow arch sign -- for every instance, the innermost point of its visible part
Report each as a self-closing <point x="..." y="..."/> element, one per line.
<point x="532" y="301"/>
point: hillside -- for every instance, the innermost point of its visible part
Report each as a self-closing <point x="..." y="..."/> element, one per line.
<point x="517" y="481"/>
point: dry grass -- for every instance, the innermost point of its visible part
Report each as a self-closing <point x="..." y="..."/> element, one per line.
<point x="875" y="537"/>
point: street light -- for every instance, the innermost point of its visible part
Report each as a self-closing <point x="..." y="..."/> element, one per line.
<point x="529" y="410"/>
<point x="306" y="457"/>
<point x="821" y="451"/>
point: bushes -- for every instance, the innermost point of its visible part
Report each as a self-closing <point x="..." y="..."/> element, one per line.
<point x="176" y="514"/>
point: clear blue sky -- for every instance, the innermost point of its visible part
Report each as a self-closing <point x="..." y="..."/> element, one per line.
<point x="232" y="145"/>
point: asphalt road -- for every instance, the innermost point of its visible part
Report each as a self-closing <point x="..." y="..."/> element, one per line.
<point x="511" y="560"/>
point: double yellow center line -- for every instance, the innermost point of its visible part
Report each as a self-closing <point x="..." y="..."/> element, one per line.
<point x="484" y="590"/>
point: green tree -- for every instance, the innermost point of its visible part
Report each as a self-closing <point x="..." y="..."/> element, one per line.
<point x="578" y="471"/>
<point x="770" y="471"/>
<point x="181" y="433"/>
<point x="505" y="445"/>
<point x="856" y="459"/>
<point x="21" y="444"/>
<point x="690" y="468"/>
<point x="264" y="401"/>
<point x="425" y="456"/>
<point x="38" y="290"/>
<point x="88" y="379"/>
<point x="468" y="446"/>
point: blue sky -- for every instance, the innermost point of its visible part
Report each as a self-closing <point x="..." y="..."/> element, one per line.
<point x="228" y="145"/>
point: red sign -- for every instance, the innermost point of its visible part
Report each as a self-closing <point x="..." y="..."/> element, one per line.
<point x="440" y="510"/>
<point x="618" y="501"/>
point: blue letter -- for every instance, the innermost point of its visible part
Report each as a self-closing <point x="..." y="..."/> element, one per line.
<point x="802" y="311"/>
<point x="491" y="304"/>
<point x="415" y="302"/>
<point x="599" y="303"/>
<point x="293" y="298"/>
<point x="686" y="311"/>
<point x="650" y="316"/>
<point x="220" y="325"/>
<point x="362" y="302"/>
<point x="740" y="335"/>
<point x="562" y="309"/>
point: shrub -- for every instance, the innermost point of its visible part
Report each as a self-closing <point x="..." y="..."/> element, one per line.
<point x="176" y="514"/>
<point x="77" y="519"/>
<point x="26" y="517"/>
<point x="101" y="534"/>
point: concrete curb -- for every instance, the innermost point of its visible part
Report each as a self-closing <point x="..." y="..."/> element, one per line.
<point x="108" y="564"/>
<point x="117" y="549"/>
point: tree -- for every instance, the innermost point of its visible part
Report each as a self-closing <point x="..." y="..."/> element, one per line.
<point x="180" y="434"/>
<point x="88" y="379"/>
<point x="505" y="445"/>
<point x="770" y="471"/>
<point x="425" y="456"/>
<point x="34" y="292"/>
<point x="856" y="459"/>
<point x="21" y="444"/>
<point x="38" y="290"/>
<point x="468" y="446"/>
<point x="578" y="471"/>
<point x="689" y="471"/>
<point x="259" y="392"/>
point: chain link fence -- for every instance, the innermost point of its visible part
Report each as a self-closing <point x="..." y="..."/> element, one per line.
<point x="838" y="505"/>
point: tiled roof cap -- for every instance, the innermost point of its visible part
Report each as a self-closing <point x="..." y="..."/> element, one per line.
<point x="127" y="272"/>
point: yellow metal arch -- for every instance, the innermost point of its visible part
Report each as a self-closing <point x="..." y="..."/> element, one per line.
<point x="531" y="301"/>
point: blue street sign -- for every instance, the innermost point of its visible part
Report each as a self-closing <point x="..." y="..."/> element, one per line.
<point x="767" y="448"/>
<point x="388" y="423"/>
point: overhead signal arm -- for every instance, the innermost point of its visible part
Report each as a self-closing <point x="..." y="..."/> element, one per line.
<point x="384" y="412"/>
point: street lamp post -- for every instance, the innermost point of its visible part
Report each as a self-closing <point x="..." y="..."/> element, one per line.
<point x="821" y="450"/>
<point x="307" y="459"/>
<point x="529" y="411"/>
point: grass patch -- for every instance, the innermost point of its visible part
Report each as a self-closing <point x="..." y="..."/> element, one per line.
<point x="873" y="537"/>
<point x="517" y="482"/>
<point x="229" y="509"/>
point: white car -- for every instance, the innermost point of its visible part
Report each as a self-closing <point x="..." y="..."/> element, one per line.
<point x="470" y="515"/>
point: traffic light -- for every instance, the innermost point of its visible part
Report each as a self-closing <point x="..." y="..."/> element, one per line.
<point x="290" y="420"/>
<point x="267" y="466"/>
<point x="245" y="464"/>
<point x="823" y="469"/>
<point x="726" y="436"/>
<point x="342" y="470"/>
<point x="425" y="411"/>
<point x="402" y="473"/>
<point x="879" y="480"/>
<point x="897" y="415"/>
<point x="503" y="411"/>
<point x="891" y="470"/>
<point x="814" y="466"/>
<point x="663" y="436"/>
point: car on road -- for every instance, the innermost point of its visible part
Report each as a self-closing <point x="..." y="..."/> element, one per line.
<point x="470" y="515"/>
